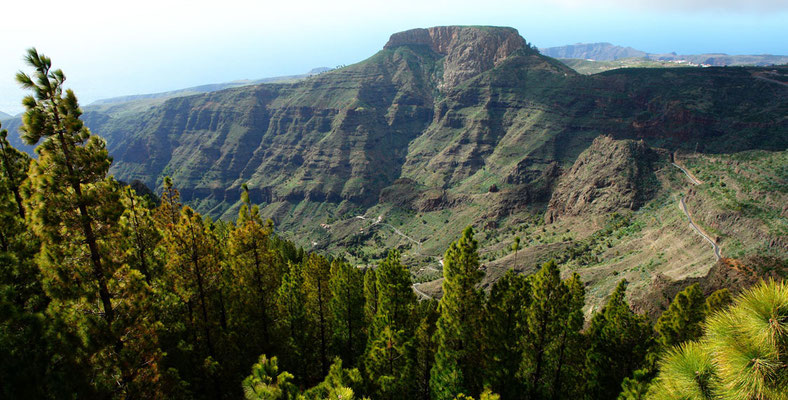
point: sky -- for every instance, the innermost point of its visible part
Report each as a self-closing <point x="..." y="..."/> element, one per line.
<point x="109" y="48"/>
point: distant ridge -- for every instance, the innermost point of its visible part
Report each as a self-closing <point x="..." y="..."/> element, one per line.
<point x="4" y="115"/>
<point x="593" y="51"/>
<point x="206" y="88"/>
<point x="611" y="52"/>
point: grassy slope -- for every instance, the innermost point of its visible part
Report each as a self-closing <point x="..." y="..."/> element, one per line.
<point x="746" y="215"/>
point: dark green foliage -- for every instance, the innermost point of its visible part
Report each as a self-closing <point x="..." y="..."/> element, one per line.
<point x="682" y="320"/>
<point x="718" y="300"/>
<point x="459" y="352"/>
<point x="291" y="302"/>
<point x="544" y="316"/>
<point x="424" y="348"/>
<point x="388" y="359"/>
<point x="619" y="340"/>
<point x="317" y="271"/>
<point x="504" y="325"/>
<point x="347" y="311"/>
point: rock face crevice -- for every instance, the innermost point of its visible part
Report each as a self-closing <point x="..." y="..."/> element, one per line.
<point x="468" y="51"/>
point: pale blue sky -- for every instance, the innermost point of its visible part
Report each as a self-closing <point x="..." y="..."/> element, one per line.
<point x="146" y="46"/>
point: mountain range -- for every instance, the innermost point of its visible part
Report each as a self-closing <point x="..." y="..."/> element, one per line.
<point x="610" y="52"/>
<point x="453" y="126"/>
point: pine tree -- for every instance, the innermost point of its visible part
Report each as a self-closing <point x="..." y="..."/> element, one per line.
<point x="459" y="344"/>
<point x="192" y="272"/>
<point x="141" y="235"/>
<point x="424" y="348"/>
<point x="74" y="210"/>
<point x="505" y="325"/>
<point x="567" y="359"/>
<point x="682" y="320"/>
<point x="254" y="276"/>
<point x="347" y="311"/>
<point x="388" y="357"/>
<point x="294" y="328"/>
<point x="544" y="317"/>
<point x="317" y="271"/>
<point x="619" y="340"/>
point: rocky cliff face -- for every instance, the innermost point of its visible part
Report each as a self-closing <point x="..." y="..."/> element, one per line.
<point x="610" y="175"/>
<point x="468" y="51"/>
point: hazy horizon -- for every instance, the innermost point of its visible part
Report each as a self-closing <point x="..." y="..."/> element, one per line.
<point x="108" y="50"/>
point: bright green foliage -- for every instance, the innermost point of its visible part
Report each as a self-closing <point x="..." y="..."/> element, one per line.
<point x="682" y="320"/>
<point x="743" y="354"/>
<point x="516" y="247"/>
<point x="718" y="300"/>
<point x="339" y="384"/>
<point x="267" y="383"/>
<point x="618" y="342"/>
<point x="347" y="311"/>
<point x="749" y="343"/>
<point x="74" y="210"/>
<point x="388" y="357"/>
<point x="459" y="352"/>
<point x="545" y="315"/>
<point x="504" y="326"/>
<point x="686" y="372"/>
<point x="317" y="271"/>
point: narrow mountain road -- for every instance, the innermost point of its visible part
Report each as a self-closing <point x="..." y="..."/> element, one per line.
<point x="691" y="177"/>
<point x="419" y="292"/>
<point x="683" y="207"/>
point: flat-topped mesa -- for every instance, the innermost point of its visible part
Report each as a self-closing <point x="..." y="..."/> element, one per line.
<point x="469" y="50"/>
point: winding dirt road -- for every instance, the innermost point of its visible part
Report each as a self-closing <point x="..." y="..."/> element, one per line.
<point x="683" y="207"/>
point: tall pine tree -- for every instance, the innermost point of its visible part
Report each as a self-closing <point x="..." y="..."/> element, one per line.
<point x="347" y="311"/>
<point x="619" y="340"/>
<point x="459" y="354"/>
<point x="388" y="357"/>
<point x="74" y="210"/>
<point x="505" y="324"/>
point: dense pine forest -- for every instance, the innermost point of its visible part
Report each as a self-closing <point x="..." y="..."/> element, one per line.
<point x="110" y="291"/>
